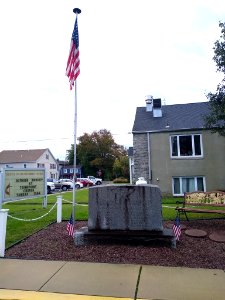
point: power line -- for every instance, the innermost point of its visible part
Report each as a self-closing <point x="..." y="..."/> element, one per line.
<point x="39" y="140"/>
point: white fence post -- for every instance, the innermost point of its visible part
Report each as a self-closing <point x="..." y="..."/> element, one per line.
<point x="3" y="223"/>
<point x="59" y="209"/>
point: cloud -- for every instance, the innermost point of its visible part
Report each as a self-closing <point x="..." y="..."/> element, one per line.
<point x="128" y="49"/>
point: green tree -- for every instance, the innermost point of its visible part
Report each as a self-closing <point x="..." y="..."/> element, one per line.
<point x="216" y="118"/>
<point x="97" y="151"/>
<point x="121" y="167"/>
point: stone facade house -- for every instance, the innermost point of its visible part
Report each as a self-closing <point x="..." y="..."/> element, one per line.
<point x="172" y="149"/>
<point x="34" y="158"/>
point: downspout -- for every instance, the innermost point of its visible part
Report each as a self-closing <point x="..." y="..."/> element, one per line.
<point x="130" y="169"/>
<point x="149" y="158"/>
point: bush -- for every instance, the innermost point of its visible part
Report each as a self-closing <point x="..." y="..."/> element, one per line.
<point x="120" y="180"/>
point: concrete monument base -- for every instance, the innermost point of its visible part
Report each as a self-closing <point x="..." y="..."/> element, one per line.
<point x="84" y="236"/>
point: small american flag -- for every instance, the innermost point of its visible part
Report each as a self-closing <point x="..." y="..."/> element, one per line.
<point x="70" y="226"/>
<point x="177" y="228"/>
<point x="73" y="62"/>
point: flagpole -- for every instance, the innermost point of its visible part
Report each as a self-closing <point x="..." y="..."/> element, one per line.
<point x="75" y="149"/>
<point x="76" y="11"/>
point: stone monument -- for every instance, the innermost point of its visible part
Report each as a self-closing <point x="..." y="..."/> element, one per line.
<point x="124" y="211"/>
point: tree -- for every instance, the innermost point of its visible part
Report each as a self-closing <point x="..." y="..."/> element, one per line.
<point x="97" y="151"/>
<point x="216" y="119"/>
<point x="121" y="167"/>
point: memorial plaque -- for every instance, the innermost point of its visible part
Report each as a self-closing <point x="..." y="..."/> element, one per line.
<point x="125" y="207"/>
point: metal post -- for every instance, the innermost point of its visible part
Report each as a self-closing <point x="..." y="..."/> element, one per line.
<point x="75" y="151"/>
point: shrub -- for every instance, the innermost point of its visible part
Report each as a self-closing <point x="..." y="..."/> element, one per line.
<point x="120" y="180"/>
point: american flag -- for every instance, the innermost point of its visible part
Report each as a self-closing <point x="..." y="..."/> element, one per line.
<point x="73" y="62"/>
<point x="70" y="226"/>
<point x="177" y="228"/>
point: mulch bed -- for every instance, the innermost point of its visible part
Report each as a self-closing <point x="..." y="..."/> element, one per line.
<point x="53" y="243"/>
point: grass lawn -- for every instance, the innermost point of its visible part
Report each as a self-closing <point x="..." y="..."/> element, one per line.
<point x="32" y="208"/>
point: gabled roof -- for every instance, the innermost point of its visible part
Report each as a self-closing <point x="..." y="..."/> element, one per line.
<point x="16" y="156"/>
<point x="174" y="117"/>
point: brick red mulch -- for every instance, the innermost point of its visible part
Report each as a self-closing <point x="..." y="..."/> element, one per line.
<point x="53" y="243"/>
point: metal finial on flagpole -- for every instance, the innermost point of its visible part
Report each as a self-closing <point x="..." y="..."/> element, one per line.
<point x="76" y="10"/>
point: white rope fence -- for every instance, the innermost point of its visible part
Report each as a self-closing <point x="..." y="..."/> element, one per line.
<point x="3" y="221"/>
<point x="4" y="215"/>
<point x="31" y="220"/>
<point x="78" y="204"/>
<point x="67" y="201"/>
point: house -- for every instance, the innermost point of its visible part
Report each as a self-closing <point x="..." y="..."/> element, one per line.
<point x="66" y="170"/>
<point x="34" y="158"/>
<point x="172" y="149"/>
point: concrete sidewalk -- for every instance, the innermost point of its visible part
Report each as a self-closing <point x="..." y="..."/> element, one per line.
<point x="38" y="279"/>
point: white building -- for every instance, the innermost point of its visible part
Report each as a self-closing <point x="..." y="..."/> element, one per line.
<point x="34" y="158"/>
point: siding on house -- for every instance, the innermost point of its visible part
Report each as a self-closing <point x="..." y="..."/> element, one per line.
<point x="164" y="168"/>
<point x="33" y="158"/>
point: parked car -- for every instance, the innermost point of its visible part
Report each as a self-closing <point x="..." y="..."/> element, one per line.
<point x="65" y="184"/>
<point x="85" y="181"/>
<point x="95" y="180"/>
<point x="141" y="180"/>
<point x="78" y="185"/>
<point x="50" y="187"/>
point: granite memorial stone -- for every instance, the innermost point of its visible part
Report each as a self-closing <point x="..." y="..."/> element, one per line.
<point x="124" y="212"/>
<point x="125" y="207"/>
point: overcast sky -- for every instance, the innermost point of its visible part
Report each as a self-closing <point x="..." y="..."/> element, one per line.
<point x="128" y="49"/>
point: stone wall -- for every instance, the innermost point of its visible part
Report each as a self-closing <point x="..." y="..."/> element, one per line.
<point x="141" y="157"/>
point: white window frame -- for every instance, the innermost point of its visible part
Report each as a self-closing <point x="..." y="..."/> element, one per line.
<point x="180" y="182"/>
<point x="65" y="171"/>
<point x="178" y="146"/>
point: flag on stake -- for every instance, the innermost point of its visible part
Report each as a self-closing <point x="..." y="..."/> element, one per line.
<point x="70" y="226"/>
<point x="73" y="62"/>
<point x="177" y="228"/>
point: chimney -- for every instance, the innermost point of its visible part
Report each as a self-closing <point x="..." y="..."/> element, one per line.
<point x="149" y="102"/>
<point x="157" y="108"/>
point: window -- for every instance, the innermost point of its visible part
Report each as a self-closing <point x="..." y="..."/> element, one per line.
<point x="52" y="166"/>
<point x="40" y="165"/>
<point x="65" y="171"/>
<point x="183" y="185"/>
<point x="25" y="165"/>
<point x="186" y="145"/>
<point x="47" y="156"/>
